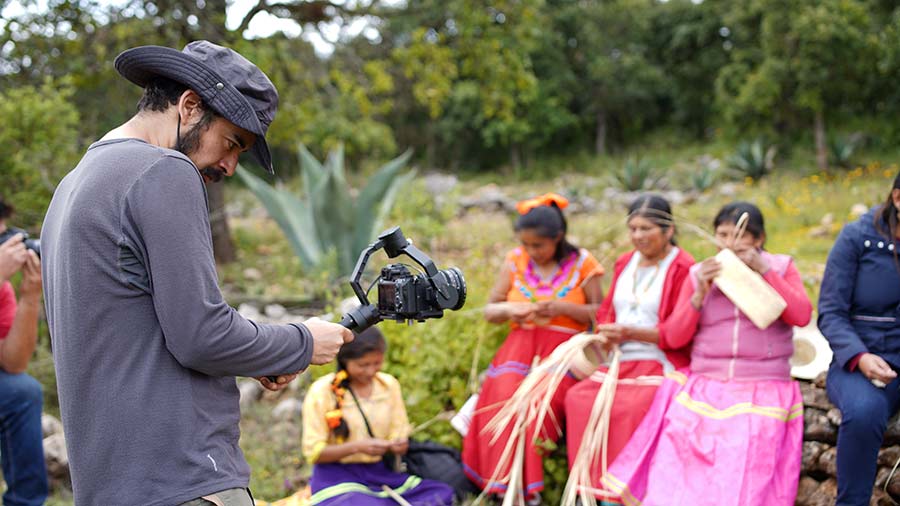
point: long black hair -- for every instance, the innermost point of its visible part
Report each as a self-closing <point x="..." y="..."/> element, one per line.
<point x="654" y="208"/>
<point x="364" y="343"/>
<point x="6" y="209"/>
<point x="548" y="221"/>
<point x="887" y="215"/>
<point x="731" y="213"/>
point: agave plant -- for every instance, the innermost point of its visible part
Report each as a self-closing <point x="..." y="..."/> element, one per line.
<point x="753" y="159"/>
<point x="841" y="149"/>
<point x="327" y="217"/>
<point x="635" y="175"/>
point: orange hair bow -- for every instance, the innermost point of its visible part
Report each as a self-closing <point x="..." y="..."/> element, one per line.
<point x="546" y="199"/>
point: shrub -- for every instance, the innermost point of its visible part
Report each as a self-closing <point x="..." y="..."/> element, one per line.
<point x="842" y="148"/>
<point x="753" y="159"/>
<point x="636" y="174"/>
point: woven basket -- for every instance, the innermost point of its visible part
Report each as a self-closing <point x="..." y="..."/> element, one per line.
<point x="748" y="290"/>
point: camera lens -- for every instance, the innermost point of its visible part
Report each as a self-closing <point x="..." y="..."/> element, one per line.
<point x="456" y="280"/>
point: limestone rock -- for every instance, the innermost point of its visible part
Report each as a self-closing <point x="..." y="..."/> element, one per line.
<point x="288" y="409"/>
<point x="275" y="311"/>
<point x="834" y="416"/>
<point x="249" y="311"/>
<point x="889" y="456"/>
<point x="805" y="490"/>
<point x="825" y="495"/>
<point x="816" y="427"/>
<point x="812" y="450"/>
<point x="858" y="210"/>
<point x="251" y="391"/>
<point x="56" y="457"/>
<point x="50" y="425"/>
<point x="828" y="462"/>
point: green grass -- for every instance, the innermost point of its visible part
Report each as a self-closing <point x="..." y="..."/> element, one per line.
<point x="434" y="361"/>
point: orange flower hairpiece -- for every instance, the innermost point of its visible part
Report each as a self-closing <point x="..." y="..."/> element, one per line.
<point x="547" y="199"/>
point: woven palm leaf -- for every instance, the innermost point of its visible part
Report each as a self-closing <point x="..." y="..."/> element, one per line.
<point x="747" y="290"/>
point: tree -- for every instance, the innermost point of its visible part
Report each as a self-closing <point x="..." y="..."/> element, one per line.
<point x="38" y="132"/>
<point x="813" y="59"/>
<point x="79" y="38"/>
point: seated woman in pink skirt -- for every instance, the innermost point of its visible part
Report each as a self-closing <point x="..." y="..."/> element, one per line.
<point x="728" y="431"/>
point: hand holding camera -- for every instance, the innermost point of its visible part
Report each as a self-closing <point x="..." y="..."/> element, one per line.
<point x="327" y="339"/>
<point x="13" y="255"/>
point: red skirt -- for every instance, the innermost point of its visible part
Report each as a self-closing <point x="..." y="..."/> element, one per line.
<point x="632" y="400"/>
<point x="511" y="364"/>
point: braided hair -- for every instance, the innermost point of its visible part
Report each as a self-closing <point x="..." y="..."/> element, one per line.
<point x="364" y="343"/>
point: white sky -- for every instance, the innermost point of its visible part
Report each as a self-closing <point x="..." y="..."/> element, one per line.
<point x="262" y="24"/>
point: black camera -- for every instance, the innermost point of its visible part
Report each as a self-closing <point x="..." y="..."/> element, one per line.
<point x="32" y="244"/>
<point x="402" y="295"/>
<point x="405" y="296"/>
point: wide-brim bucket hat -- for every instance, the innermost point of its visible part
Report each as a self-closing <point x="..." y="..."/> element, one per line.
<point x="227" y="82"/>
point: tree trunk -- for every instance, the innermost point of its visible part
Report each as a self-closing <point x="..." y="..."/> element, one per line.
<point x="213" y="30"/>
<point x="600" y="139"/>
<point x="223" y="246"/>
<point x="431" y="146"/>
<point x="821" y="147"/>
<point x="515" y="157"/>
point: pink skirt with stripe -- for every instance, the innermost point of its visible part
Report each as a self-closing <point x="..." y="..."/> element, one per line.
<point x="706" y="441"/>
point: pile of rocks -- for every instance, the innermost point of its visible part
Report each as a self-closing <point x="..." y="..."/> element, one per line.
<point x="818" y="485"/>
<point x="55" y="454"/>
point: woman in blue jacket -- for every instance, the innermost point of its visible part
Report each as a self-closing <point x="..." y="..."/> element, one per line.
<point x="859" y="314"/>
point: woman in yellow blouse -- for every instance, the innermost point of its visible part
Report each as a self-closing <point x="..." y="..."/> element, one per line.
<point x="351" y="420"/>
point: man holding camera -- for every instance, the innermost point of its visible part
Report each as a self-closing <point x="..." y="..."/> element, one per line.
<point x="21" y="440"/>
<point x="145" y="347"/>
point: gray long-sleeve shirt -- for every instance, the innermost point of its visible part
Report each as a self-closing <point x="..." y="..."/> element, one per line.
<point x="145" y="347"/>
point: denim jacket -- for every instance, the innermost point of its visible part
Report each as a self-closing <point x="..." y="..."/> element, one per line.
<point x="859" y="301"/>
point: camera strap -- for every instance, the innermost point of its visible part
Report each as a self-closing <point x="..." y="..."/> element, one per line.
<point x="363" y="413"/>
<point x="390" y="460"/>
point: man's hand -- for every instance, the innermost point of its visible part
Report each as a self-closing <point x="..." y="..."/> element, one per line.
<point x="874" y="368"/>
<point x="280" y="383"/>
<point x="327" y="339"/>
<point x="12" y="256"/>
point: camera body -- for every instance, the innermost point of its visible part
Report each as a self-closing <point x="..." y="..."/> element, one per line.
<point x="406" y="296"/>
<point x="402" y="295"/>
<point x="32" y="244"/>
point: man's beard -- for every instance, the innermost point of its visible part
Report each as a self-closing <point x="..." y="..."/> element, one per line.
<point x="190" y="143"/>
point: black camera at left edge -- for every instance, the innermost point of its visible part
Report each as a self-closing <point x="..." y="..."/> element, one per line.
<point x="32" y="244"/>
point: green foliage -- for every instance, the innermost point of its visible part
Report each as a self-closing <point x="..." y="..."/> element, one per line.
<point x="328" y="218"/>
<point x="753" y="159"/>
<point x="38" y="132"/>
<point x="703" y="177"/>
<point x="841" y="149"/>
<point x="636" y="174"/>
<point x="793" y="60"/>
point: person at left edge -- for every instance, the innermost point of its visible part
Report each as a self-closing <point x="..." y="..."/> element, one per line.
<point x="21" y="438"/>
<point x="145" y="347"/>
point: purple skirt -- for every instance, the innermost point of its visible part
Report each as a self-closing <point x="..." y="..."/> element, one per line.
<point x="361" y="485"/>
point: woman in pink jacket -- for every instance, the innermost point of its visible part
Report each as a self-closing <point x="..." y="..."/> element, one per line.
<point x="728" y="431"/>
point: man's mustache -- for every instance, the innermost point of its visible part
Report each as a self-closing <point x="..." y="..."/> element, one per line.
<point x="213" y="175"/>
